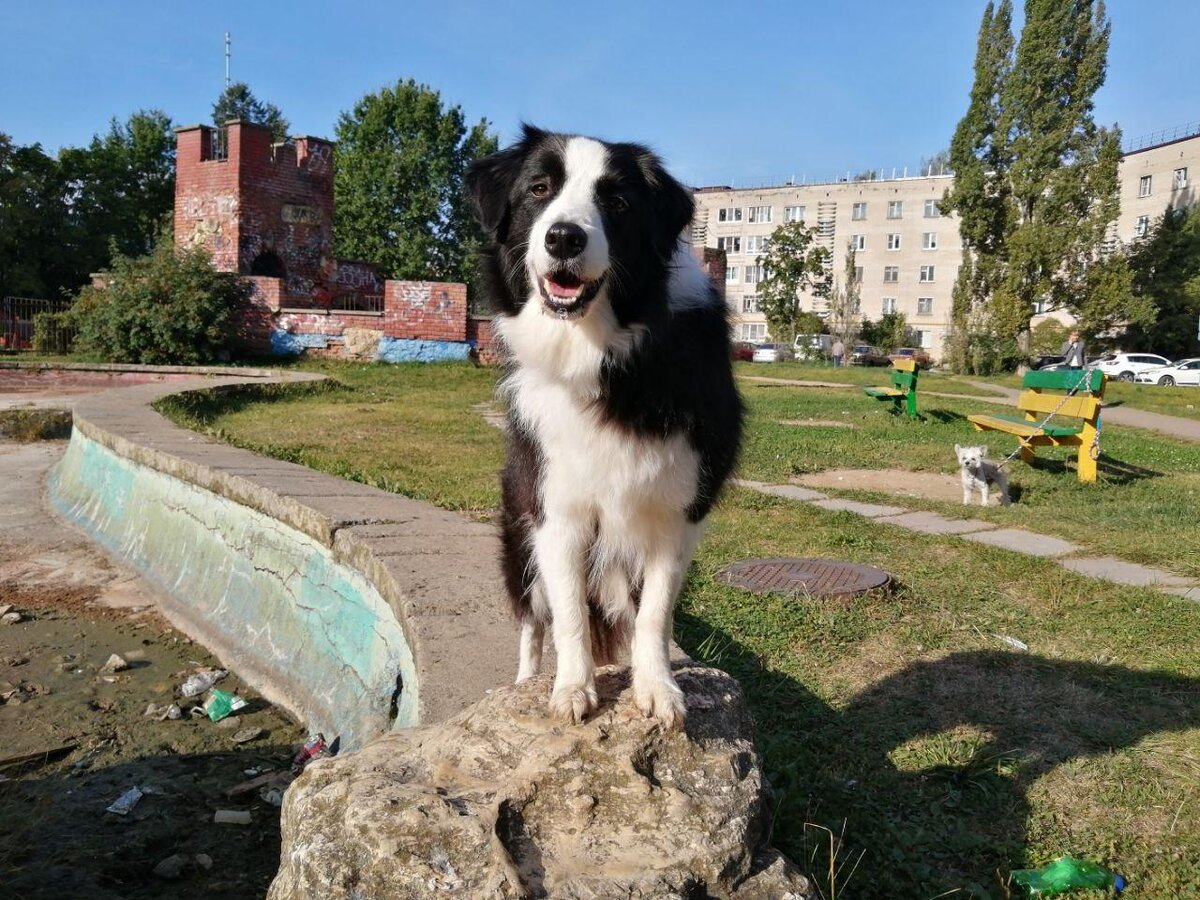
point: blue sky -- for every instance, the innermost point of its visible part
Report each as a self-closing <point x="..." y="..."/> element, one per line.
<point x="731" y="92"/>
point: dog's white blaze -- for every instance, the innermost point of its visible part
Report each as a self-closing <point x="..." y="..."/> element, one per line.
<point x="585" y="161"/>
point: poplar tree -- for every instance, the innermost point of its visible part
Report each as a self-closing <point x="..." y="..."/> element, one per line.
<point x="1035" y="184"/>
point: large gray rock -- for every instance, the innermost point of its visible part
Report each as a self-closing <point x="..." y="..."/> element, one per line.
<point x="501" y="802"/>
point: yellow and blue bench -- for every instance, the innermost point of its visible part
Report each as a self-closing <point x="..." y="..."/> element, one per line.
<point x="903" y="392"/>
<point x="1074" y="394"/>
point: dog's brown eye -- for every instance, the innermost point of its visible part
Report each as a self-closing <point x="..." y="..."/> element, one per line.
<point x="618" y="203"/>
<point x="539" y="189"/>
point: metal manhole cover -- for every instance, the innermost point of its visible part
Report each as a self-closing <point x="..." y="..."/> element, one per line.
<point x="817" y="577"/>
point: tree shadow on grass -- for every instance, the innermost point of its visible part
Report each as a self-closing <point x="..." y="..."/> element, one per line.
<point x="930" y="767"/>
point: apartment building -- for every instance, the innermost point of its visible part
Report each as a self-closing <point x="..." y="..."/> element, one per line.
<point x="907" y="252"/>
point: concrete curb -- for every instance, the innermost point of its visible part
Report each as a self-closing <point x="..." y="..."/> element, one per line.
<point x="355" y="609"/>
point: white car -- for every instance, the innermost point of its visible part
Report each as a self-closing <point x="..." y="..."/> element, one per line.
<point x="766" y="353"/>
<point x="1127" y="366"/>
<point x="1186" y="371"/>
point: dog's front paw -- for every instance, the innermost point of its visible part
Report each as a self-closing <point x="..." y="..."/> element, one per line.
<point x="660" y="698"/>
<point x="572" y="702"/>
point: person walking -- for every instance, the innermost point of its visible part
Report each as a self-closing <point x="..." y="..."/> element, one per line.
<point x="1074" y="353"/>
<point x="837" y="351"/>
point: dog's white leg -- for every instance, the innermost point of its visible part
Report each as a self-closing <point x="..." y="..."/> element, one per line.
<point x="654" y="687"/>
<point x="560" y="550"/>
<point x="967" y="487"/>
<point x="533" y="634"/>
<point x="983" y="492"/>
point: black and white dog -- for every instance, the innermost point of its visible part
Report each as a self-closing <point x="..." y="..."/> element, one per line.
<point x="624" y="420"/>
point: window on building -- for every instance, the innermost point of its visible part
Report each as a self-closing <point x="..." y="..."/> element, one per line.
<point x="859" y="212"/>
<point x="750" y="303"/>
<point x="891" y="274"/>
<point x="932" y="210"/>
<point x="858" y="273"/>
<point x="924" y="306"/>
<point x="793" y="214"/>
<point x="888" y="305"/>
<point x="858" y="241"/>
<point x="929" y="240"/>
<point x="1142" y="226"/>
<point x="1180" y="181"/>
<point x="1144" y="186"/>
<point x="754" y="274"/>
<point x="757" y="243"/>
<point x="1041" y="307"/>
<point x="895" y="209"/>
<point x="730" y="244"/>
<point x="753" y="331"/>
<point x="926" y="273"/>
<point x="924" y="339"/>
<point x="759" y="214"/>
<point x="730" y="214"/>
<point x="893" y="242"/>
<point x="731" y="273"/>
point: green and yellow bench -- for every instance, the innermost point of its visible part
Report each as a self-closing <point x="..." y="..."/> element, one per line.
<point x="903" y="392"/>
<point x="1049" y="392"/>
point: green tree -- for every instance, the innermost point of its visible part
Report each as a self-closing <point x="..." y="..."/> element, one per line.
<point x="170" y="307"/>
<point x="237" y="101"/>
<point x="845" y="301"/>
<point x="794" y="263"/>
<point x="892" y="331"/>
<point x="1047" y="337"/>
<point x="35" y="259"/>
<point x="402" y="158"/>
<point x="120" y="190"/>
<point x="1036" y="179"/>
<point x="1166" y="274"/>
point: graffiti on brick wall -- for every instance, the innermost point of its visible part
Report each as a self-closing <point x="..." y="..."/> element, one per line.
<point x="300" y="214"/>
<point x="424" y="297"/>
<point x="319" y="160"/>
<point x="353" y="276"/>
<point x="205" y="206"/>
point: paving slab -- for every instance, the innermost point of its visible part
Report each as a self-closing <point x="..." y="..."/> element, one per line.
<point x="1187" y="593"/>
<point x="870" y="510"/>
<point x="1124" y="572"/>
<point x="791" y="492"/>
<point x="1022" y="541"/>
<point x="932" y="523"/>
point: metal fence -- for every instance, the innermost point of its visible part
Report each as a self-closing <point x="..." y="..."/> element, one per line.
<point x="1166" y="136"/>
<point x="356" y="302"/>
<point x="29" y="323"/>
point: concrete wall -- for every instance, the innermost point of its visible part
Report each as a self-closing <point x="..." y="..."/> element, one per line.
<point x="267" y="598"/>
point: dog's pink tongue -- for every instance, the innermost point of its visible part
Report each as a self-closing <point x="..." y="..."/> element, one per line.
<point x="566" y="292"/>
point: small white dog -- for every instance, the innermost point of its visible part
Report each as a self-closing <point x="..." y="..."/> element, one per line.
<point x="978" y="472"/>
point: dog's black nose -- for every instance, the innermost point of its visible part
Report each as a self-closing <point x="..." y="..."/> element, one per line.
<point x="565" y="240"/>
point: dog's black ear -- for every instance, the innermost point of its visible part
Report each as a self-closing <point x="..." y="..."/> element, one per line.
<point x="490" y="181"/>
<point x="672" y="201"/>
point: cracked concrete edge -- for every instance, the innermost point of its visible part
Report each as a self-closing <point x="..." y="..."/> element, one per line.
<point x="123" y="421"/>
<point x="234" y="371"/>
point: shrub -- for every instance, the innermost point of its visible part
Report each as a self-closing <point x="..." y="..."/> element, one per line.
<point x="53" y="333"/>
<point x="171" y="307"/>
<point x="1048" y="336"/>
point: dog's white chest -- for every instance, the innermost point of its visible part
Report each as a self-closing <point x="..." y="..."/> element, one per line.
<point x="602" y="467"/>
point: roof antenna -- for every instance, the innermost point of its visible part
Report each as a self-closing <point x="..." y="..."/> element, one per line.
<point x="227" y="55"/>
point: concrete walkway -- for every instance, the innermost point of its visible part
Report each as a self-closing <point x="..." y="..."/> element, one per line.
<point x="1066" y="554"/>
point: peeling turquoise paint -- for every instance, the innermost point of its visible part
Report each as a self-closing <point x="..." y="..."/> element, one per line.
<point x="398" y="350"/>
<point x="308" y="631"/>
<point x="284" y="343"/>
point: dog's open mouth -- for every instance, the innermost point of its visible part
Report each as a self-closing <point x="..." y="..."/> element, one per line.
<point x="566" y="294"/>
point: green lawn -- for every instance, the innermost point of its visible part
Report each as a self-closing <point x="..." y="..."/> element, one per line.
<point x="940" y="756"/>
<point x="859" y="375"/>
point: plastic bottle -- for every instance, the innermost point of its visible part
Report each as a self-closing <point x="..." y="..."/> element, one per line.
<point x="1067" y="874"/>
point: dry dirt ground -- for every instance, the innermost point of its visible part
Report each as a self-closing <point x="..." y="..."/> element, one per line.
<point x="89" y="738"/>
<point x="929" y="485"/>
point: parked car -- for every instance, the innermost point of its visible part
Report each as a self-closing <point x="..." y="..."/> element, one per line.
<point x="919" y="356"/>
<point x="813" y="346"/>
<point x="866" y="355"/>
<point x="1047" y="361"/>
<point x="1127" y="366"/>
<point x="768" y="352"/>
<point x="743" y="350"/>
<point x="1186" y="371"/>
